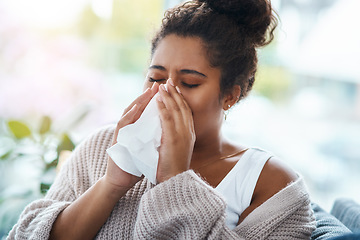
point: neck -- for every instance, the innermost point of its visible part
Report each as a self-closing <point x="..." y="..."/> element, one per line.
<point x="211" y="147"/>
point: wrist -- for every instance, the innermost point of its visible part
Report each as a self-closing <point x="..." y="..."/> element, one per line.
<point x="112" y="190"/>
<point x="170" y="174"/>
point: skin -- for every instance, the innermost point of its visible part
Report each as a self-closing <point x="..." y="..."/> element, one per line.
<point x="191" y="113"/>
<point x="183" y="61"/>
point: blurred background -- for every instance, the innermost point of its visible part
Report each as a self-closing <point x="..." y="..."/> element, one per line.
<point x="70" y="67"/>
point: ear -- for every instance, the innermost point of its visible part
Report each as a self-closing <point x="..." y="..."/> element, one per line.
<point x="232" y="97"/>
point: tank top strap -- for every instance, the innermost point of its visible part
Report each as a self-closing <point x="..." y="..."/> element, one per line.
<point x="239" y="184"/>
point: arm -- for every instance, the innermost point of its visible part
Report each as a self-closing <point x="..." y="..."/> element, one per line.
<point x="36" y="221"/>
<point x="83" y="218"/>
<point x="72" y="206"/>
<point x="185" y="207"/>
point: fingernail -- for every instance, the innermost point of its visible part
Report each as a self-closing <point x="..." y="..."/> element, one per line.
<point x="163" y="87"/>
<point x="178" y="89"/>
<point x="152" y="87"/>
<point x="171" y="82"/>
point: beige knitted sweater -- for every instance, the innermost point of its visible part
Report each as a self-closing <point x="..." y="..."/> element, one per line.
<point x="184" y="207"/>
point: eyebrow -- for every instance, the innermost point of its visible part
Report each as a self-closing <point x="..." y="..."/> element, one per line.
<point x="183" y="71"/>
<point x="190" y="71"/>
<point x="157" y="67"/>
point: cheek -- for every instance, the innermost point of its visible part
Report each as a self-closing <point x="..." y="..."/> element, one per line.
<point x="190" y="100"/>
<point x="202" y="104"/>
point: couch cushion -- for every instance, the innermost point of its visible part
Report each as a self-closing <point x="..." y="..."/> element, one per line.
<point x="348" y="212"/>
<point x="349" y="236"/>
<point x="327" y="226"/>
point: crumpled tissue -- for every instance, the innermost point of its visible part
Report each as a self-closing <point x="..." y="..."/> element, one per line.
<point x="136" y="150"/>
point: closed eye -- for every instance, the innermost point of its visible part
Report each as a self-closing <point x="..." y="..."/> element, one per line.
<point x="189" y="85"/>
<point x="156" y="80"/>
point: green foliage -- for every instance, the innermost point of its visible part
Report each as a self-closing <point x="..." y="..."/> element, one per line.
<point x="65" y="144"/>
<point x="19" y="129"/>
<point x="45" y="125"/>
<point x="28" y="160"/>
<point x="44" y="187"/>
<point x="121" y="43"/>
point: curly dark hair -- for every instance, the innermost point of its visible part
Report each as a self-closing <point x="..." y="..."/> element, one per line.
<point x="231" y="30"/>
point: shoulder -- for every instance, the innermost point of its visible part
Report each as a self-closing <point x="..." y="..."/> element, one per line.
<point x="274" y="177"/>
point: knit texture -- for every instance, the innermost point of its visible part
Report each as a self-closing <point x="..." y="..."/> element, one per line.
<point x="183" y="207"/>
<point x="348" y="212"/>
<point x="327" y="226"/>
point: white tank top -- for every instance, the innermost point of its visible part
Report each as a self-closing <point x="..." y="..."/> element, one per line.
<point x="238" y="185"/>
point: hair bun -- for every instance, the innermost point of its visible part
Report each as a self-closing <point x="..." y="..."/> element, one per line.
<point x="254" y="15"/>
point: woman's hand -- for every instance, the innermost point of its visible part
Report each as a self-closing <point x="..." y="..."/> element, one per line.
<point x="115" y="176"/>
<point x="178" y="134"/>
<point x="83" y="218"/>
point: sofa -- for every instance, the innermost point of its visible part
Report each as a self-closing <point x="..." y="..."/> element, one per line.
<point x="343" y="221"/>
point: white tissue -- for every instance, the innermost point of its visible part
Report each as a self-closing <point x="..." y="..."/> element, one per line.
<point x="136" y="150"/>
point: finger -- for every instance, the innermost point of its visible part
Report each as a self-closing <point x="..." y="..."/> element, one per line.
<point x="166" y="118"/>
<point x="127" y="119"/>
<point x="139" y="100"/>
<point x="154" y="89"/>
<point x="172" y="107"/>
<point x="143" y="100"/>
<point x="186" y="112"/>
<point x="178" y="97"/>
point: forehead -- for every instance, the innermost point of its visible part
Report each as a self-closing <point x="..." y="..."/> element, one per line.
<point x="184" y="51"/>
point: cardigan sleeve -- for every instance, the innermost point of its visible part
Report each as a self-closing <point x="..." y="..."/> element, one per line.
<point x="286" y="215"/>
<point x="185" y="207"/>
<point x="36" y="221"/>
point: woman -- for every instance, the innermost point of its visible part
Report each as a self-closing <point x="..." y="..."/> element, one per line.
<point x="205" y="53"/>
